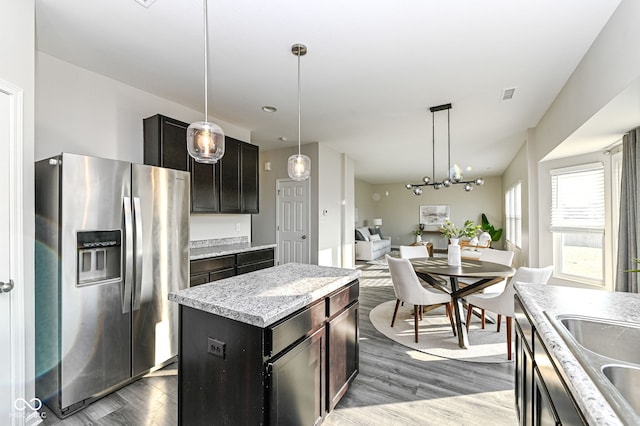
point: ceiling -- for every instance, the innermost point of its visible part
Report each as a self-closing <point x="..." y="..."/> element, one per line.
<point x="373" y="69"/>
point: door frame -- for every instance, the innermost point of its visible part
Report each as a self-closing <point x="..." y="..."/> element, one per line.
<point x="17" y="327"/>
<point x="279" y="182"/>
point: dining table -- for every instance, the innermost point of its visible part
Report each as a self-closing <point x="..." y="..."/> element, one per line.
<point x="486" y="273"/>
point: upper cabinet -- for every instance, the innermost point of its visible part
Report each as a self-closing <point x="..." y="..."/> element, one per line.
<point x="229" y="186"/>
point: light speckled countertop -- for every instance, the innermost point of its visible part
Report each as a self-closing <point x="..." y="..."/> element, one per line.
<point x="595" y="303"/>
<point x="263" y="297"/>
<point x="196" y="253"/>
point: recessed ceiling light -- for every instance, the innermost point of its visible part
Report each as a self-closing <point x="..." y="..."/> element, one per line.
<point x="146" y="3"/>
<point x="268" y="108"/>
<point x="282" y="139"/>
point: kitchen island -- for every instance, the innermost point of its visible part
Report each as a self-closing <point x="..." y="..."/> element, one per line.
<point x="274" y="346"/>
<point x="556" y="380"/>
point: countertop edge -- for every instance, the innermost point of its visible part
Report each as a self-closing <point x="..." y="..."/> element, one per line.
<point x="226" y="249"/>
<point x="592" y="404"/>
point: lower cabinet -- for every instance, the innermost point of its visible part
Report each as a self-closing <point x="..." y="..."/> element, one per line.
<point x="292" y="372"/>
<point x="216" y="268"/>
<point x="541" y="395"/>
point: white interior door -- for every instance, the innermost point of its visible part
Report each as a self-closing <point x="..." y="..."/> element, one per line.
<point x="292" y="215"/>
<point x="15" y="409"/>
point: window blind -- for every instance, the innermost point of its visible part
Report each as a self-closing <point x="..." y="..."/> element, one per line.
<point x="578" y="199"/>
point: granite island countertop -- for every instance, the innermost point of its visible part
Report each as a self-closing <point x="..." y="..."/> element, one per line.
<point x="555" y="300"/>
<point x="263" y="297"/>
<point x="204" y="252"/>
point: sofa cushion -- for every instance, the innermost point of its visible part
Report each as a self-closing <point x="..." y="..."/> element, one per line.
<point x="374" y="237"/>
<point x="364" y="232"/>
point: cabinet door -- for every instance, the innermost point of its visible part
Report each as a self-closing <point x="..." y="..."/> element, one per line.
<point x="249" y="181"/>
<point x="544" y="413"/>
<point x="165" y="142"/>
<point x="204" y="188"/>
<point x="230" y="201"/>
<point x="524" y="380"/>
<point x="342" y="353"/>
<point x="296" y="383"/>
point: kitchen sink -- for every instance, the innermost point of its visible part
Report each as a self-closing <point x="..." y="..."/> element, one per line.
<point x="612" y="339"/>
<point x="609" y="352"/>
<point x="626" y="380"/>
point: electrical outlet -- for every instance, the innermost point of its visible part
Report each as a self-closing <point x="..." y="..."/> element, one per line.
<point x="237" y="227"/>
<point x="216" y="347"/>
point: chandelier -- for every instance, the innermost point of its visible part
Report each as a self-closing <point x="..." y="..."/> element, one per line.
<point x="456" y="178"/>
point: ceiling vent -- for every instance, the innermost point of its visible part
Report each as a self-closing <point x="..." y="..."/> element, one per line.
<point x="507" y="94"/>
<point x="146" y="3"/>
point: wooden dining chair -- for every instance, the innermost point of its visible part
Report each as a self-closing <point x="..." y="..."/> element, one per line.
<point x="408" y="289"/>
<point x="503" y="303"/>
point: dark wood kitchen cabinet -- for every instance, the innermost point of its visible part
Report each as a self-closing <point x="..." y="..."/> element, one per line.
<point x="216" y="268"/>
<point x="239" y="178"/>
<point x="165" y="143"/>
<point x="228" y="186"/>
<point x="292" y="372"/>
<point x="542" y="397"/>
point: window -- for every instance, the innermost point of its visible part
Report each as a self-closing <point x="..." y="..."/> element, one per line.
<point x="513" y="212"/>
<point x="578" y="222"/>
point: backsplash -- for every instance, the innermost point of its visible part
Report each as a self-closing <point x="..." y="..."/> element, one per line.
<point x="219" y="242"/>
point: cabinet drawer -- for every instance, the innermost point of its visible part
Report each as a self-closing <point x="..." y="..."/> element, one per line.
<point x="212" y="264"/>
<point x="341" y="298"/>
<point x="198" y="279"/>
<point x="222" y="274"/>
<point x="254" y="256"/>
<point x="255" y="266"/>
<point x="289" y="330"/>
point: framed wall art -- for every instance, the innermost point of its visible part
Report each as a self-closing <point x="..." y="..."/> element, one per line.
<point x="434" y="216"/>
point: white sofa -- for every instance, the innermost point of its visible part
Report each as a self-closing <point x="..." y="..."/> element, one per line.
<point x="368" y="249"/>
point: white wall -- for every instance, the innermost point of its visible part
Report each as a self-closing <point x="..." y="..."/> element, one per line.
<point x="400" y="209"/>
<point x="364" y="203"/>
<point x="610" y="66"/>
<point x="82" y="112"/>
<point x="17" y="22"/>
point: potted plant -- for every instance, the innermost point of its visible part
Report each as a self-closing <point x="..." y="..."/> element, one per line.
<point x="418" y="234"/>
<point x="453" y="233"/>
<point x="496" y="234"/>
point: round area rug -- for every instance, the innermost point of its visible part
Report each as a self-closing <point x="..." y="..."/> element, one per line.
<point x="435" y="336"/>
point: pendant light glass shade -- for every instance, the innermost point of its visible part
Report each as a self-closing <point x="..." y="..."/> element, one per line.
<point x="205" y="140"/>
<point x="299" y="165"/>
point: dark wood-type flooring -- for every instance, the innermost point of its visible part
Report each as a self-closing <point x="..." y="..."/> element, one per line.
<point x="395" y="386"/>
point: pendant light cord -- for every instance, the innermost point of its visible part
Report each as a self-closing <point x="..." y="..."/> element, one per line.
<point x="449" y="143"/>
<point x="206" y="71"/>
<point x="299" y="101"/>
<point x="433" y="145"/>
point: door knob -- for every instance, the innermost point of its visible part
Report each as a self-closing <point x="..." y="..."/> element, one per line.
<point x="304" y="237"/>
<point x="6" y="287"/>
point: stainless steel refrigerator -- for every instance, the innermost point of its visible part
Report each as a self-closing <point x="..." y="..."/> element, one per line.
<point x="112" y="240"/>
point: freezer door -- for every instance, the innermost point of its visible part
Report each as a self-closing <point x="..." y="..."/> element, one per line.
<point x="95" y="333"/>
<point x="161" y="199"/>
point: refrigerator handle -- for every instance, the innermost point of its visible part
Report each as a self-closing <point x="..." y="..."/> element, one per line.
<point x="137" y="289"/>
<point x="128" y="266"/>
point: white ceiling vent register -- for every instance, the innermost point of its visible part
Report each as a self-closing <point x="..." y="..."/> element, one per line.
<point x="146" y="3"/>
<point x="507" y="94"/>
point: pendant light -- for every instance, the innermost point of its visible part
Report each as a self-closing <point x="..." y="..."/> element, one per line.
<point x="205" y="140"/>
<point x="456" y="179"/>
<point x="299" y="166"/>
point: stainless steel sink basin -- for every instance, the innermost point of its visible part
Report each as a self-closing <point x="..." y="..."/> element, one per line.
<point x="609" y="351"/>
<point x="612" y="339"/>
<point x="626" y="380"/>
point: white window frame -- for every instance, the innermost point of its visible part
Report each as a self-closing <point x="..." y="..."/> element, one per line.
<point x="513" y="214"/>
<point x="559" y="230"/>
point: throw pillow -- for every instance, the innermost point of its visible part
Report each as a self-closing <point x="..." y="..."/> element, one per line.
<point x="377" y="231"/>
<point x="359" y="236"/>
<point x="364" y="232"/>
<point x="374" y="237"/>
